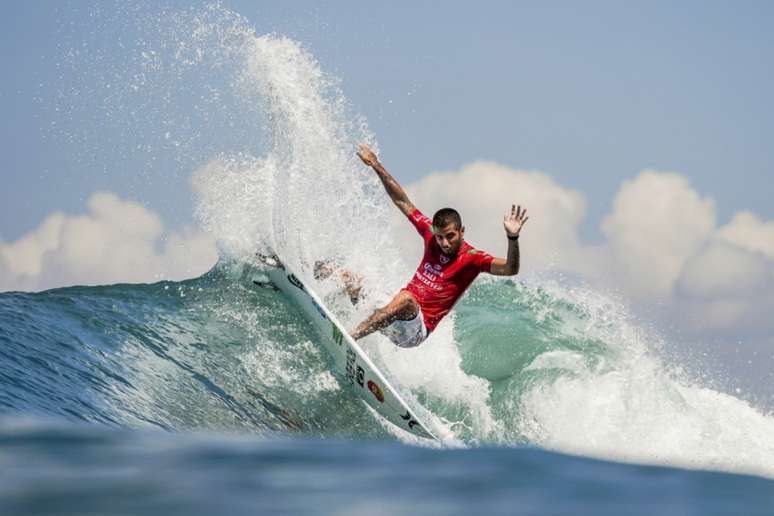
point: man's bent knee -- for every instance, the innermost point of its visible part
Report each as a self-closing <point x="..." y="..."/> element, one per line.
<point x="407" y="307"/>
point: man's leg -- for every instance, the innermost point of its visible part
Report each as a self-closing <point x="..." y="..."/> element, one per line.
<point x="403" y="306"/>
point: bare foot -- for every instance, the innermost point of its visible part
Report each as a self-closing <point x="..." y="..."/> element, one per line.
<point x="352" y="282"/>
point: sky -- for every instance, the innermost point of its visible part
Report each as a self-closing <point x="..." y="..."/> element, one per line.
<point x="590" y="94"/>
<point x="640" y="129"/>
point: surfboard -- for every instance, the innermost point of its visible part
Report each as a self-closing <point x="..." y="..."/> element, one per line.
<point x="349" y="361"/>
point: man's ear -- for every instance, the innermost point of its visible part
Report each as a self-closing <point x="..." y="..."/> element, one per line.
<point x="462" y="231"/>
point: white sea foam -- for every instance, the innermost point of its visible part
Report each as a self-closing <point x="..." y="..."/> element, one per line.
<point x="634" y="407"/>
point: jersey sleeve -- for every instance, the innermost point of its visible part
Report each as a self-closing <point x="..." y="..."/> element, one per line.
<point x="484" y="261"/>
<point x="422" y="223"/>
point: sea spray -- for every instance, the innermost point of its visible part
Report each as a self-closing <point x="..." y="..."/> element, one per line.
<point x="308" y="198"/>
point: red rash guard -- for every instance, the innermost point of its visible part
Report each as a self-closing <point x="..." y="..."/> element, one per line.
<point x="439" y="280"/>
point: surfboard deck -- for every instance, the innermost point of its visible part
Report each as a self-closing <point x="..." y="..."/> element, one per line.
<point x="349" y="360"/>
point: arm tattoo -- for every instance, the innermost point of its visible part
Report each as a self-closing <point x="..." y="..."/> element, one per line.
<point x="513" y="255"/>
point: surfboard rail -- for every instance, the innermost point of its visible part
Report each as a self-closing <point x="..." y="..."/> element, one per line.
<point x="350" y="361"/>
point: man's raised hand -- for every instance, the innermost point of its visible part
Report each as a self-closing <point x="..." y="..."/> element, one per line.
<point x="367" y="155"/>
<point x="514" y="221"/>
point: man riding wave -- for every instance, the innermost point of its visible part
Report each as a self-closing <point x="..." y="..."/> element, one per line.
<point x="447" y="269"/>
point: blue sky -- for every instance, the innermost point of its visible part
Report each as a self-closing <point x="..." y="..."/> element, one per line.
<point x="590" y="94"/>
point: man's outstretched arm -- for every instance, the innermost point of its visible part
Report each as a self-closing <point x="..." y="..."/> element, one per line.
<point x="394" y="190"/>
<point x="510" y="266"/>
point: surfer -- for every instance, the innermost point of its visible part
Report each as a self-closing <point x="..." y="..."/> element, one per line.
<point x="447" y="269"/>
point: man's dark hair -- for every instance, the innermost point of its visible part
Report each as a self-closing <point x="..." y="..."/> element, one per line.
<point x="446" y="216"/>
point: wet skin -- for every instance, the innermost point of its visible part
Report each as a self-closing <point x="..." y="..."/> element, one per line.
<point x="449" y="238"/>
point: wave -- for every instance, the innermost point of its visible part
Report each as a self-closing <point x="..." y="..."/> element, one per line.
<point x="518" y="364"/>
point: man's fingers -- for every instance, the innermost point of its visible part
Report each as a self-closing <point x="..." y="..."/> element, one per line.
<point x="363" y="156"/>
<point x="517" y="214"/>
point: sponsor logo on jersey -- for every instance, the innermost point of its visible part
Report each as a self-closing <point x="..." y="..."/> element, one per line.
<point x="427" y="282"/>
<point x="376" y="391"/>
<point x="444" y="259"/>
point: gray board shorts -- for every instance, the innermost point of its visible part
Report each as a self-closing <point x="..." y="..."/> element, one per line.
<point x="407" y="334"/>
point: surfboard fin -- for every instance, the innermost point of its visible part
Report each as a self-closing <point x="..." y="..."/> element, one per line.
<point x="266" y="284"/>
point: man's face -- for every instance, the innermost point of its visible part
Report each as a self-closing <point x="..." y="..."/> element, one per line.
<point x="449" y="239"/>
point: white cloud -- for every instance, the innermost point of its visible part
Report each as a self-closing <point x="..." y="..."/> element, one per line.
<point x="662" y="243"/>
<point x="657" y="222"/>
<point x="721" y="269"/>
<point x="484" y="191"/>
<point x="728" y="284"/>
<point x="748" y="231"/>
<point x="116" y="241"/>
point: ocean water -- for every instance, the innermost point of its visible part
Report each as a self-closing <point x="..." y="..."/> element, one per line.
<point x="211" y="395"/>
<point x="84" y="470"/>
